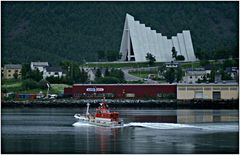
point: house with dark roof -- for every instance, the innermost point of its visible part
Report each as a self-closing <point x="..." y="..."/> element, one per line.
<point x="54" y="72"/>
<point x="11" y="71"/>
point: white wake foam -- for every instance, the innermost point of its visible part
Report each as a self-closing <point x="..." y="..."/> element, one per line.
<point x="164" y="126"/>
<point x="212" y="127"/>
<point x="80" y="124"/>
<point x="158" y="125"/>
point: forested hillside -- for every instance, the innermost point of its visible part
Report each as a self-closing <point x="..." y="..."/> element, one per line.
<point x="56" y="31"/>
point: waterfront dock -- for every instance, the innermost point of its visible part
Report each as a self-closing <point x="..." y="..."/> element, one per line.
<point x="172" y="104"/>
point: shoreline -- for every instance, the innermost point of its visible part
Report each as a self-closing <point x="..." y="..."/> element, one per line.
<point x="165" y="104"/>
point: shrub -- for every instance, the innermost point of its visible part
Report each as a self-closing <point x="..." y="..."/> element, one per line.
<point x="108" y="80"/>
<point x="29" y="84"/>
<point x="43" y="84"/>
<point x="180" y="57"/>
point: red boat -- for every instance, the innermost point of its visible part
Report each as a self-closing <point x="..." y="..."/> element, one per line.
<point x="102" y="117"/>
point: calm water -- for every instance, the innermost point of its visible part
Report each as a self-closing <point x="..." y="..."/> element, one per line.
<point x="54" y="130"/>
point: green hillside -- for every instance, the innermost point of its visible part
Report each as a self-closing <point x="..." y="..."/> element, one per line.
<point x="56" y="31"/>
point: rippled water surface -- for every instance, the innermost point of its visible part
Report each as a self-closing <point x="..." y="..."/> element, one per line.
<point x="54" y="130"/>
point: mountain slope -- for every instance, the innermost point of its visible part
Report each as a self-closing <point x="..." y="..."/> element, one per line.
<point x="56" y="31"/>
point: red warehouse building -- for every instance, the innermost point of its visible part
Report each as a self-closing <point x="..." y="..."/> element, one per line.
<point x="122" y="90"/>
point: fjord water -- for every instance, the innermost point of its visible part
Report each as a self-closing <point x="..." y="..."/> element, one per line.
<point x="146" y="130"/>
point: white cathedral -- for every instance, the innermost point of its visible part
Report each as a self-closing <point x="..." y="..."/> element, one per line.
<point x="138" y="40"/>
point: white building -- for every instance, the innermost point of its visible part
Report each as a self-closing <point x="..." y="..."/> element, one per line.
<point x="39" y="65"/>
<point x="54" y="72"/>
<point x="138" y="40"/>
<point x="91" y="72"/>
<point x="172" y="64"/>
<point x="192" y="75"/>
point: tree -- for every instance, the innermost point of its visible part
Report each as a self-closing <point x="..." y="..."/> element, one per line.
<point x="225" y="76"/>
<point x="65" y="64"/>
<point x="118" y="73"/>
<point x="98" y="73"/>
<point x="179" y="74"/>
<point x="150" y="58"/>
<point x="83" y="76"/>
<point x="180" y="57"/>
<point x="198" y="81"/>
<point x="101" y="55"/>
<point x="107" y="73"/>
<point x="212" y="75"/>
<point x="36" y="75"/>
<point x="174" y="52"/>
<point x="15" y="75"/>
<point x="53" y="79"/>
<point x="42" y="84"/>
<point x="25" y="70"/>
<point x="162" y="68"/>
<point x="170" y="75"/>
<point x="221" y="54"/>
<point x="204" y="78"/>
<point x="29" y="84"/>
<point x="73" y="71"/>
<point x="107" y="80"/>
<point x="112" y="55"/>
<point x="204" y="62"/>
<point x="228" y="63"/>
<point x="202" y="55"/>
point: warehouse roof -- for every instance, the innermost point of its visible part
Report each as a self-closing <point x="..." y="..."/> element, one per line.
<point x="208" y="84"/>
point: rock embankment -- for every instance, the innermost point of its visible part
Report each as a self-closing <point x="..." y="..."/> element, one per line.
<point x="172" y="104"/>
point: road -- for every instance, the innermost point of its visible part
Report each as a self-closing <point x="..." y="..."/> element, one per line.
<point x="129" y="77"/>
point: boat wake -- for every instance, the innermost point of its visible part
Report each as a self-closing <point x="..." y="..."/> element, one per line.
<point x="166" y="126"/>
<point x="80" y="124"/>
<point x="157" y="125"/>
<point x="212" y="127"/>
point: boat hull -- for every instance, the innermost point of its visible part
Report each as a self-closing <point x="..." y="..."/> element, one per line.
<point x="99" y="122"/>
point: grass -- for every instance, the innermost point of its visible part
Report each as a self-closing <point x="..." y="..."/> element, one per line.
<point x="119" y="64"/>
<point x="55" y="89"/>
<point x="58" y="88"/>
<point x="32" y="91"/>
<point x="136" y="65"/>
<point x="135" y="82"/>
<point x="141" y="75"/>
<point x="10" y="81"/>
<point x="191" y="65"/>
<point x="11" y="85"/>
<point x="16" y="86"/>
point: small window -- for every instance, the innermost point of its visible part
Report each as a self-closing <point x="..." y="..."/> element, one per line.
<point x="190" y="77"/>
<point x="16" y="70"/>
<point x="233" y="88"/>
<point x="9" y="70"/>
<point x="9" y="75"/>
